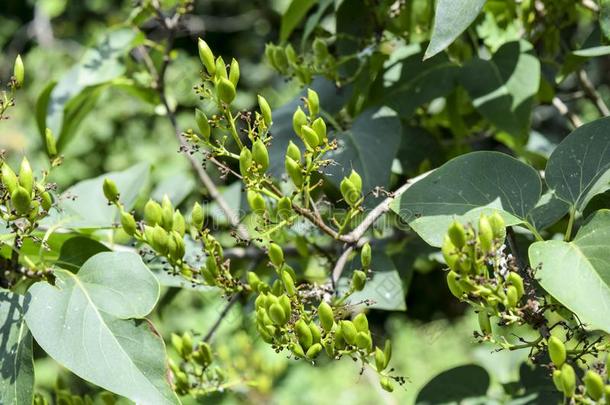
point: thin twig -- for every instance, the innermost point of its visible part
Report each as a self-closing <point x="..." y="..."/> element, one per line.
<point x="592" y="94"/>
<point x="565" y="111"/>
<point x="221" y="317"/>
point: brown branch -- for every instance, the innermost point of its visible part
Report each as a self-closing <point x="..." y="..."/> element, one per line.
<point x="565" y="111"/>
<point x="221" y="317"/>
<point x="592" y="94"/>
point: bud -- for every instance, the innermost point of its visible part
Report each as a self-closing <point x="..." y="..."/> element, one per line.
<point x="284" y="301"/>
<point x="234" y="72"/>
<point x="498" y="226"/>
<point x="349" y="191"/>
<point x="293" y="152"/>
<point x="349" y="331"/>
<point x="280" y="59"/>
<point x="387" y="350"/>
<point x="315" y="332"/>
<point x="288" y="283"/>
<point x="276" y="254"/>
<point x="206" y="353"/>
<point x="294" y="171"/>
<point x="325" y="313"/>
<point x="50" y="143"/>
<point x="485" y="234"/>
<point x="365" y="255"/>
<point x="594" y="385"/>
<point x="197" y="216"/>
<point x="314" y="350"/>
<point x="557" y="351"/>
<point x="454" y="285"/>
<point x="516" y="280"/>
<point x="46" y="201"/>
<point x="167" y="213"/>
<point x="297" y="350"/>
<point x="203" y="124"/>
<point x="386" y="384"/>
<point x="187" y="344"/>
<point x="298" y="120"/>
<point x="457" y="234"/>
<point x="211" y="266"/>
<point x="221" y="69"/>
<point x="380" y="360"/>
<point x="256" y="201"/>
<point x="309" y="137"/>
<point x="245" y="161"/>
<point x="128" y="223"/>
<point x="269" y="54"/>
<point x="358" y="280"/>
<point x="364" y="341"/>
<point x="21" y="201"/>
<point x="329" y="346"/>
<point x="557" y="380"/>
<point x="225" y="90"/>
<point x="319" y="48"/>
<point x="291" y="55"/>
<point x="512" y="296"/>
<point x="568" y="380"/>
<point x="319" y="126"/>
<point x="18" y="71"/>
<point x="26" y="177"/>
<point x="265" y="110"/>
<point x="206" y="56"/>
<point x="177" y="342"/>
<point x="361" y="323"/>
<point x="110" y="190"/>
<point x="9" y="178"/>
<point x="160" y="239"/>
<point x="277" y="314"/>
<point x="178" y="223"/>
<point x="176" y="246"/>
<point x="313" y="102"/>
<point x="484" y="322"/>
<point x="303" y="333"/>
<point x="152" y="213"/>
<point x="260" y="155"/>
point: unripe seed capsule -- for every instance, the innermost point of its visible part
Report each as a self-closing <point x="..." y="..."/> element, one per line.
<point x="310" y="137"/>
<point x="50" y="142"/>
<point x="315" y="332"/>
<point x="291" y="55"/>
<point x="21" y="200"/>
<point x="380" y="361"/>
<point x="594" y="385"/>
<point x="284" y="208"/>
<point x="498" y="226"/>
<point x="454" y="285"/>
<point x="187" y="344"/>
<point x="276" y="254"/>
<point x="265" y="110"/>
<point x="366" y="255"/>
<point x="568" y="380"/>
<point x="557" y="380"/>
<point x="303" y="333"/>
<point x="284" y="301"/>
<point x="516" y="280"/>
<point x="26" y="177"/>
<point x="349" y="191"/>
<point x="293" y="152"/>
<point x="349" y="331"/>
<point x="206" y="56"/>
<point x="225" y="90"/>
<point x="386" y="384"/>
<point x="329" y="346"/>
<point x="297" y="350"/>
<point x="279" y="56"/>
<point x="313" y="102"/>
<point x="364" y="341"/>
<point x="358" y="280"/>
<point x="206" y="353"/>
<point x="356" y="180"/>
<point x="18" y="71"/>
<point x="152" y="213"/>
<point x="607" y="392"/>
<point x="485" y="234"/>
<point x="177" y="342"/>
<point x="203" y="124"/>
<point x="260" y="154"/>
<point x="277" y="314"/>
<point x="210" y="264"/>
<point x="449" y="253"/>
<point x="9" y="178"/>
<point x="557" y="351"/>
<point x="387" y="350"/>
<point x="457" y="234"/>
<point x="178" y="223"/>
<point x="325" y="312"/>
<point x="256" y="201"/>
<point x="245" y="161"/>
<point x="314" y="350"/>
<point x="288" y="283"/>
<point x="221" y="69"/>
<point x="110" y="189"/>
<point x="197" y="216"/>
<point x="234" y="72"/>
<point x="160" y="239"/>
<point x="319" y="48"/>
<point x="320" y="127"/>
<point x="294" y="171"/>
<point x="167" y="213"/>
<point x="128" y="223"/>
<point x="361" y="323"/>
<point x="298" y="120"/>
<point x="512" y="296"/>
<point x="484" y="322"/>
<point x="46" y="201"/>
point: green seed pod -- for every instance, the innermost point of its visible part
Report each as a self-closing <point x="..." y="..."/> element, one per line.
<point x="294" y="171"/>
<point x="221" y="70"/>
<point x="557" y="351"/>
<point x="284" y="208"/>
<point x="387" y="351"/>
<point x="178" y="223"/>
<point x="365" y="255"/>
<point x="568" y="380"/>
<point x="349" y="191"/>
<point x="449" y="253"/>
<point x="256" y="201"/>
<point x="386" y="384"/>
<point x="276" y="254"/>
<point x="339" y="339"/>
<point x="187" y="344"/>
<point x="177" y="342"/>
<point x="361" y="323"/>
<point x="607" y="392"/>
<point x="160" y="239"/>
<point x="269" y="54"/>
<point x="349" y="331"/>
<point x="512" y="296"/>
<point x="310" y="137"/>
<point x="167" y="213"/>
<point x="206" y="353"/>
<point x="315" y="332"/>
<point x="26" y="177"/>
<point x="319" y="126"/>
<point x="50" y="143"/>
<point x="516" y="280"/>
<point x="245" y="161"/>
<point x="557" y="380"/>
<point x="176" y="248"/>
<point x="260" y="155"/>
<point x="364" y="341"/>
<point x="18" y="71"/>
<point x="277" y="314"/>
<point x="225" y="90"/>
<point x="457" y="234"/>
<point x="594" y="385"/>
<point x="128" y="223"/>
<point x="485" y="234"/>
<point x="498" y="226"/>
<point x="206" y="56"/>
<point x="148" y="234"/>
<point x="298" y="120"/>
<point x="297" y="350"/>
<point x="261" y="300"/>
<point x="21" y="200"/>
<point x="288" y="283"/>
<point x="314" y="350"/>
<point x="319" y="48"/>
<point x="46" y="201"/>
<point x="484" y="322"/>
<point x="329" y="347"/>
<point x="280" y="59"/>
<point x="358" y="280"/>
<point x="325" y="312"/>
<point x="356" y="180"/>
<point x="9" y="178"/>
<point x="197" y="216"/>
<point x="253" y="281"/>
<point x="454" y="286"/>
<point x="303" y="333"/>
<point x="291" y="55"/>
<point x="212" y="266"/>
<point x="380" y="360"/>
<point x="313" y="102"/>
<point x="152" y="213"/>
<point x="265" y="110"/>
<point x="284" y="301"/>
<point x="203" y="124"/>
<point x="293" y="152"/>
<point x="110" y="189"/>
<point x="234" y="72"/>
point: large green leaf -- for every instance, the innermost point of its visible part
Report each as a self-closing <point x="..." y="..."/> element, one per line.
<point x="465" y="187"/>
<point x="84" y="322"/>
<point x="579" y="167"/>
<point x="503" y="88"/>
<point x="463" y="384"/>
<point x="452" y="17"/>
<point x="374" y="131"/>
<point x="294" y="14"/>
<point x="16" y="364"/>
<point x="84" y="205"/>
<point x="577" y="273"/>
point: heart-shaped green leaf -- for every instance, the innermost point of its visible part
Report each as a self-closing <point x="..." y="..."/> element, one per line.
<point x="83" y="323"/>
<point x="577" y="273"/>
<point x="465" y="187"/>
